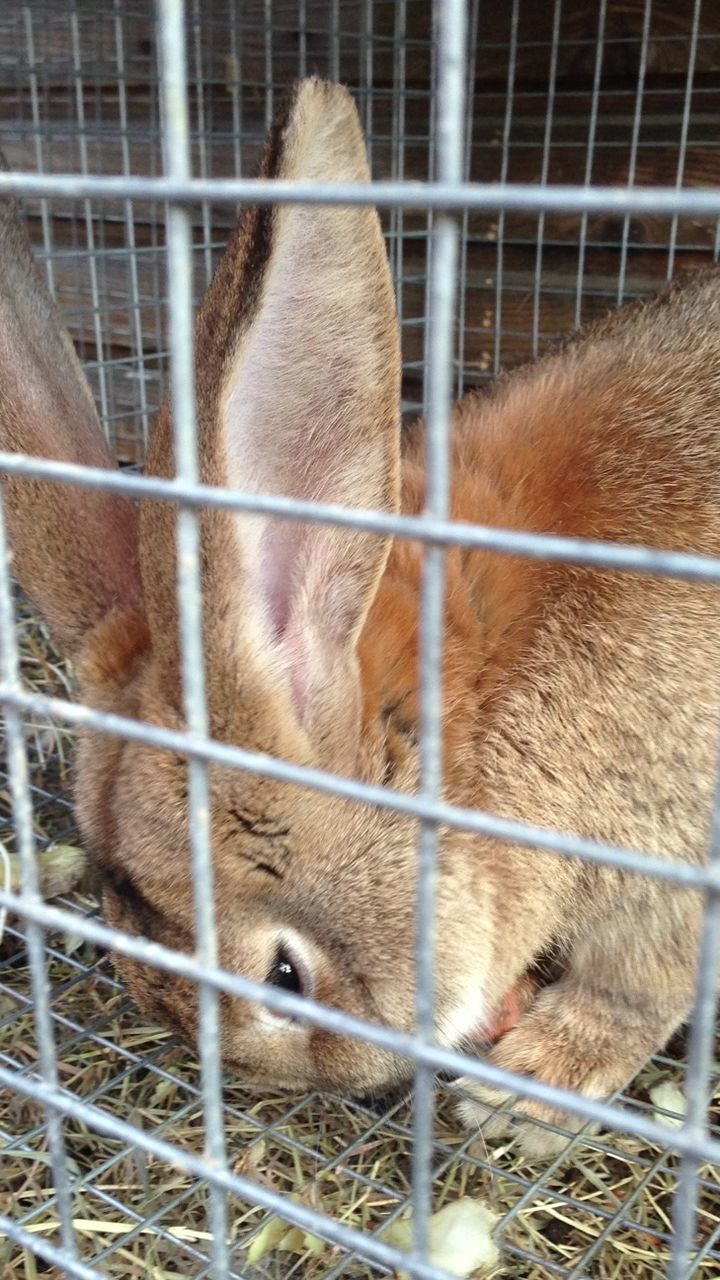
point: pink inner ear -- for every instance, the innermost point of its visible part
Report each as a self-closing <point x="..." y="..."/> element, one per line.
<point x="304" y="594"/>
<point x="281" y="552"/>
<point x="304" y="414"/>
<point x="280" y="546"/>
<point x="298" y="653"/>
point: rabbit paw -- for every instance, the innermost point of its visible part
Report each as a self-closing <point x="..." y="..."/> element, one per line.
<point x="574" y="1043"/>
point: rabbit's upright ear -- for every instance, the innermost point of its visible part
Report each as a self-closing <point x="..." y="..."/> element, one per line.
<point x="73" y="550"/>
<point x="298" y="373"/>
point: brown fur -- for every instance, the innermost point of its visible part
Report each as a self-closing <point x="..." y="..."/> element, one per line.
<point x="577" y="699"/>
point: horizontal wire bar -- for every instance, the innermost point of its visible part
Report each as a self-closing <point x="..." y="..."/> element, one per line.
<point x="686" y="1139"/>
<point x="662" y="201"/>
<point x="474" y="820"/>
<point x="243" y="1187"/>
<point x="294" y="1212"/>
<point x="537" y="546"/>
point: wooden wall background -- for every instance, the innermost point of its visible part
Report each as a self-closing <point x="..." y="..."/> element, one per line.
<point x="78" y="92"/>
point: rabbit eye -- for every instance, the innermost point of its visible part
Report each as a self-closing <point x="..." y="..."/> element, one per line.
<point x="286" y="974"/>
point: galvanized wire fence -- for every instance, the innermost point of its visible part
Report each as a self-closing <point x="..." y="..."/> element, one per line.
<point x="130" y="131"/>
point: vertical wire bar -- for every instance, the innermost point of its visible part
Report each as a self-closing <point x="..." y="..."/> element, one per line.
<point x="236" y="86"/>
<point x="632" y="166"/>
<point x="467" y="174"/>
<point x="156" y="226"/>
<point x="135" y="315"/>
<point x="552" y="77"/>
<point x="698" y="1075"/>
<point x="177" y="163"/>
<point x="17" y="766"/>
<point x="39" y="149"/>
<point x="87" y="206"/>
<point x="684" y="130"/>
<point x="268" y="64"/>
<point x="590" y="156"/>
<point x="397" y="221"/>
<point x="365" y="18"/>
<point x="451" y="17"/>
<point x="504" y="164"/>
<point x="335" y="40"/>
<point x="201" y="135"/>
<point x="302" y="38"/>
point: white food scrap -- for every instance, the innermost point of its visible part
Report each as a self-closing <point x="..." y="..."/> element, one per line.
<point x="669" y="1098"/>
<point x="459" y="1237"/>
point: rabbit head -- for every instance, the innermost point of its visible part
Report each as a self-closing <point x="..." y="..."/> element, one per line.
<point x="297" y="370"/>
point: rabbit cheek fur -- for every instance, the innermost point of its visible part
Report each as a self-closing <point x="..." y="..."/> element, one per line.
<point x="272" y="867"/>
<point x="574" y="699"/>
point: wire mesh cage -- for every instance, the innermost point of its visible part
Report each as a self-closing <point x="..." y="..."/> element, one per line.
<point x="123" y="1154"/>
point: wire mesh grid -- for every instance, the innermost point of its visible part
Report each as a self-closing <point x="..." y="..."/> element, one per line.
<point x="603" y="94"/>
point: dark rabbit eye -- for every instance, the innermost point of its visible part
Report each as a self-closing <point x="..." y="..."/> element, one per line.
<point x="286" y="974"/>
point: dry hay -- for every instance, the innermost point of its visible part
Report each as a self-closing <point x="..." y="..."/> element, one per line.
<point x="604" y="1208"/>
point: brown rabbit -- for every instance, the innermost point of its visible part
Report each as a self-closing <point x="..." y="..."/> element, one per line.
<point x="579" y="699"/>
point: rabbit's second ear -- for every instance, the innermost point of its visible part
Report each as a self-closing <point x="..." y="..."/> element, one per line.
<point x="298" y="375"/>
<point x="74" y="550"/>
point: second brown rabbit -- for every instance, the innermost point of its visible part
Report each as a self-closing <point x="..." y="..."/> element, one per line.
<point x="581" y="700"/>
